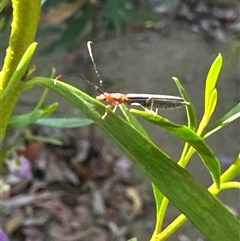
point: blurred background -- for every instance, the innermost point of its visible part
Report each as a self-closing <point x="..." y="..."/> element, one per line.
<point x="88" y="189"/>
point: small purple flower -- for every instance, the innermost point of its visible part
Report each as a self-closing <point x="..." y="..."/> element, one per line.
<point x="3" y="236"/>
<point x="20" y="167"/>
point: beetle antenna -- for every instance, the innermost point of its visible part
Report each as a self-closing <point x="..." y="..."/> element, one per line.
<point x="95" y="86"/>
<point x="94" y="65"/>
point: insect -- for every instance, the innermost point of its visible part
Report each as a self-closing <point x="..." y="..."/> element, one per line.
<point x="152" y="101"/>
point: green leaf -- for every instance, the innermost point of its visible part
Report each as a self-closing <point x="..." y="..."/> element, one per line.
<point x="191" y="113"/>
<point x="184" y="191"/>
<point x="212" y="103"/>
<point x="31" y="117"/>
<point x="20" y="71"/>
<point x="231" y="116"/>
<point x="48" y="110"/>
<point x="64" y="122"/>
<point x="25" y="119"/>
<point x="3" y="4"/>
<point x="132" y="120"/>
<point x="210" y="89"/>
<point x="132" y="239"/>
<point x="135" y="124"/>
<point x="44" y="139"/>
<point x="189" y="136"/>
<point x="158" y="198"/>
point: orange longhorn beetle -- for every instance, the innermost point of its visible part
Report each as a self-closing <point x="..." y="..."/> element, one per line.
<point x="143" y="100"/>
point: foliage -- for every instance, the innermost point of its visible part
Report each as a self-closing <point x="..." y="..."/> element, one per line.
<point x="171" y="182"/>
<point x="87" y="19"/>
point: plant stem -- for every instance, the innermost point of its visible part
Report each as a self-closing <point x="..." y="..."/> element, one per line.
<point x="226" y="177"/>
<point x="24" y="26"/>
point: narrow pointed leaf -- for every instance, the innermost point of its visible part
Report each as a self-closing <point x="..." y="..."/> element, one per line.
<point x="135" y="123"/>
<point x="191" y="113"/>
<point x="44" y="139"/>
<point x="188" y="135"/>
<point x="64" y="122"/>
<point x="25" y="119"/>
<point x="212" y="104"/>
<point x="211" y="82"/>
<point x="48" y="110"/>
<point x="133" y="239"/>
<point x="231" y="116"/>
<point x="184" y="191"/>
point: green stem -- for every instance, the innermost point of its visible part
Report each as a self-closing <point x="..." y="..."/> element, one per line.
<point x="173" y="227"/>
<point x="160" y="217"/>
<point x="226" y="178"/>
<point x="42" y="99"/>
<point x="232" y="171"/>
<point x="45" y="92"/>
<point x="230" y="185"/>
<point x="24" y="26"/>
